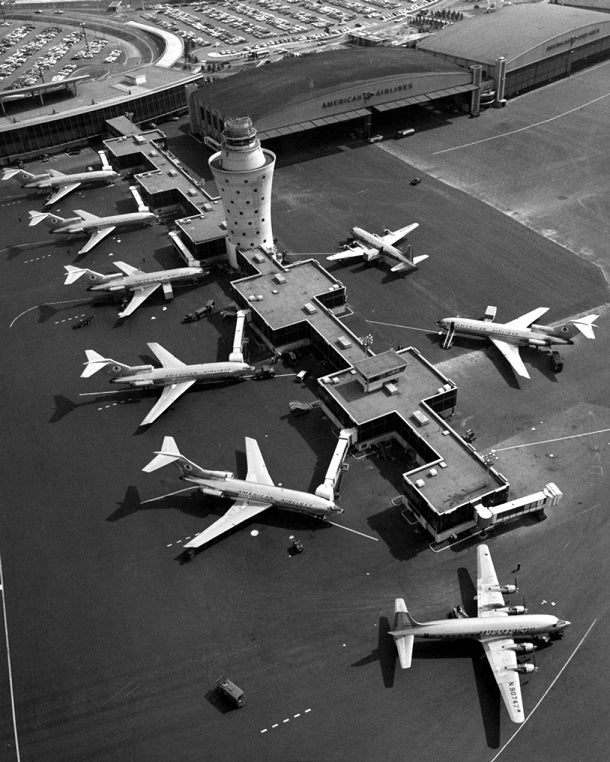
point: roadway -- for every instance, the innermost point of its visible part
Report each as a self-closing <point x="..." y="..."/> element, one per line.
<point x="115" y="646"/>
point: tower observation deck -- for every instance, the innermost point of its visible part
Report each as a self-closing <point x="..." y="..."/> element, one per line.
<point x="244" y="173"/>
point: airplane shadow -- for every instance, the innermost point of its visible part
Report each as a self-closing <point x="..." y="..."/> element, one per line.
<point x="48" y="312"/>
<point x="385" y="653"/>
<point x="65" y="406"/>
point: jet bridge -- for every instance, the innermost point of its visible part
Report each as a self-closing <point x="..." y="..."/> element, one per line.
<point x="327" y="488"/>
<point x="238" y="337"/>
<point x="488" y="517"/>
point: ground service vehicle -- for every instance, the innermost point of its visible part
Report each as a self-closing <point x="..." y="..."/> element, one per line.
<point x="231" y="692"/>
<point x="191" y="317"/>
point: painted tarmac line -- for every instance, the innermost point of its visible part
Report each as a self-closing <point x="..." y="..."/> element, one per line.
<point x="545" y="694"/>
<point x="169" y="494"/>
<point x="44" y="304"/>
<point x="523" y="129"/>
<point x="9" y="665"/>
<point x="398" y="325"/>
<point x="284" y="721"/>
<point x="99" y="394"/>
<point x="549" y="441"/>
<point x="355" y="531"/>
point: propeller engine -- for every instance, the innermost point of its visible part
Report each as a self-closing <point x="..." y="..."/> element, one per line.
<point x="524" y="669"/>
<point x="521" y="648"/>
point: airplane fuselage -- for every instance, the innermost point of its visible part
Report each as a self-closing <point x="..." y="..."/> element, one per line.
<point x="52" y="181"/>
<point x="206" y="372"/>
<point x="376" y="242"/>
<point x="239" y="489"/>
<point x="117" y="281"/>
<point x="485" y="628"/>
<point x="536" y="336"/>
<point x="78" y="225"/>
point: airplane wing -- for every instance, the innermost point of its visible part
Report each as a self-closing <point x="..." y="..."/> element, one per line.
<point x="166" y="358"/>
<point x="487" y="600"/>
<point x="128" y="269"/>
<point x="139" y="295"/>
<point x="395" y="236"/>
<point x="240" y="511"/>
<point x="86" y="216"/>
<point x="502" y="662"/>
<point x="60" y="193"/>
<point x="168" y="396"/>
<point x="530" y="317"/>
<point x="348" y="253"/>
<point x="257" y="470"/>
<point x="511" y="353"/>
<point x="98" y="236"/>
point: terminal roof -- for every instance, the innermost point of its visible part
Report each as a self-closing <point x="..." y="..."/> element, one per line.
<point x="261" y="91"/>
<point x="386" y="362"/>
<point x="510" y="32"/>
<point x="463" y="477"/>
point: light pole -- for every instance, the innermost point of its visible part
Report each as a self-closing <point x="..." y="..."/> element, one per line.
<point x="82" y="26"/>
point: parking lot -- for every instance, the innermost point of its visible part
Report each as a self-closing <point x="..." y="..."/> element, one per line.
<point x="33" y="53"/>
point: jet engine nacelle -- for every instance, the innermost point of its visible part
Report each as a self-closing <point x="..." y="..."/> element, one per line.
<point x="523" y="668"/>
<point x="144" y="382"/>
<point x="537" y="343"/>
<point x="114" y="288"/>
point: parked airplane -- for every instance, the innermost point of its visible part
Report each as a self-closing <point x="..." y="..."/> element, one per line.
<point x="508" y="337"/>
<point x="174" y="375"/>
<point x="494" y="627"/>
<point x="382" y="246"/>
<point x="252" y="495"/>
<point x="98" y="227"/>
<point x="61" y="184"/>
<point x="141" y="284"/>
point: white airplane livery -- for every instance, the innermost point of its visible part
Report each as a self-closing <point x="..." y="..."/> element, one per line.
<point x="174" y="375"/>
<point x="59" y="183"/>
<point x="140" y="283"/>
<point x="97" y="227"/>
<point x="384" y="247"/>
<point x="522" y="331"/>
<point x="252" y="495"/>
<point x="496" y="626"/>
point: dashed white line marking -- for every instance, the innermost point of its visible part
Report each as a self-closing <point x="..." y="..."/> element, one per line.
<point x="284" y="721"/>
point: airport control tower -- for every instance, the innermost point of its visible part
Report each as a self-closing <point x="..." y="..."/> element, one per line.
<point x="243" y="172"/>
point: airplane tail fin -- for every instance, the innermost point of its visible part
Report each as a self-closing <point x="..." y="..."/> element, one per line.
<point x="20" y="173"/>
<point x="169" y="453"/>
<point x="404" y="641"/>
<point x="96" y="362"/>
<point x="410" y="262"/>
<point x="417" y="260"/>
<point x="74" y="273"/>
<point x="52" y="220"/>
<point x="585" y="325"/>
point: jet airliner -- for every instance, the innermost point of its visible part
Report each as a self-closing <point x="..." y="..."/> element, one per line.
<point x="140" y="283"/>
<point x="98" y="227"/>
<point x="251" y="495"/>
<point x="174" y="376"/>
<point x="59" y="183"/>
<point x="383" y="247"/>
<point x="496" y="626"/>
<point x="522" y="331"/>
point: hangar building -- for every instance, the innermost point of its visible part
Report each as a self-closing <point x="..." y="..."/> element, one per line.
<point x="524" y="46"/>
<point x="328" y="88"/>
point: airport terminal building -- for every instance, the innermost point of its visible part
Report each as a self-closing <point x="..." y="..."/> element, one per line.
<point x="524" y="46"/>
<point x="329" y="88"/>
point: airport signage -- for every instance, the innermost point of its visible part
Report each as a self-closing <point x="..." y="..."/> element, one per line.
<point x="365" y="96"/>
